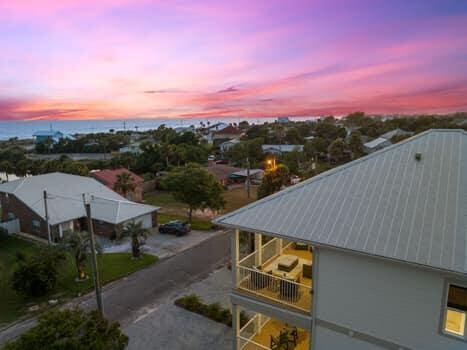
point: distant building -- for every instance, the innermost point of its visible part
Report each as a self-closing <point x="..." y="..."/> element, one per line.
<point x="226" y="145"/>
<point x="376" y="144"/>
<point x="384" y="140"/>
<point x="283" y="120"/>
<point x="216" y="127"/>
<point x="240" y="176"/>
<point x="109" y="178"/>
<point x="52" y="135"/>
<point x="133" y="148"/>
<point x="396" y="132"/>
<point x="221" y="172"/>
<point x="279" y="149"/>
<point x="226" y="134"/>
<point x="227" y="174"/>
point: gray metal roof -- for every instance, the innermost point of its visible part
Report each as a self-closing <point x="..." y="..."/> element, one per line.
<point x="387" y="204"/>
<point x="377" y="142"/>
<point x="282" y="148"/>
<point x="65" y="200"/>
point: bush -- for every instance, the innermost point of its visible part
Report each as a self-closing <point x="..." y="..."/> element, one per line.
<point x="213" y="311"/>
<point x="3" y="231"/>
<point x="37" y="275"/>
<point x="71" y="329"/>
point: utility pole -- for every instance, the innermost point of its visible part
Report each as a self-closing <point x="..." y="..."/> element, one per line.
<point x="49" y="236"/>
<point x="248" y="177"/>
<point x="95" y="270"/>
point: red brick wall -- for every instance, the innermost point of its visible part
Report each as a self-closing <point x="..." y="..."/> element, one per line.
<point x="11" y="204"/>
<point x="104" y="228"/>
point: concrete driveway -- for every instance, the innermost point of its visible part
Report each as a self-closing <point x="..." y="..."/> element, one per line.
<point x="162" y="245"/>
<point x="166" y="326"/>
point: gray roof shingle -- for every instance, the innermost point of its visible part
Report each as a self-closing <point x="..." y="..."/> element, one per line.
<point x="386" y="204"/>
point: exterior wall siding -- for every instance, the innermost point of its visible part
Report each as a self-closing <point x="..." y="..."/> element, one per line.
<point x="393" y="302"/>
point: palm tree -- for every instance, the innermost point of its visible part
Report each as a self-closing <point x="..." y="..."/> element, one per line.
<point x="79" y="244"/>
<point x="124" y="184"/>
<point x="6" y="167"/>
<point x="136" y="231"/>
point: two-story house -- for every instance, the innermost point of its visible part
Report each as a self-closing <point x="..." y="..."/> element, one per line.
<point x="369" y="255"/>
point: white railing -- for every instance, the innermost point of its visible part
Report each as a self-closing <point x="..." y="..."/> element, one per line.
<point x="248" y="344"/>
<point x="270" y="250"/>
<point x="275" y="288"/>
<point x="249" y="260"/>
<point x="286" y="244"/>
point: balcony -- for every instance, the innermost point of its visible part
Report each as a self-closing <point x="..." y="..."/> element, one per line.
<point x="279" y="271"/>
<point x="264" y="333"/>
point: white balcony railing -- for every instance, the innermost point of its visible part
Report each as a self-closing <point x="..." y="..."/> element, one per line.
<point x="275" y="288"/>
<point x="269" y="251"/>
<point x="249" y="331"/>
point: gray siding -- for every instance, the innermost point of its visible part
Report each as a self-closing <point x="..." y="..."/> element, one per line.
<point x="394" y="302"/>
<point x="327" y="339"/>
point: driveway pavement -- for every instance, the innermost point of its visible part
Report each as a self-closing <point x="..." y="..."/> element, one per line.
<point x="166" y="326"/>
<point x="163" y="246"/>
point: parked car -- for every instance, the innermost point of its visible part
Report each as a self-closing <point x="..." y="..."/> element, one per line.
<point x="176" y="227"/>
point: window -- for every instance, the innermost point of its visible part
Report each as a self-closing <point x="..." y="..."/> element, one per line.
<point x="456" y="311"/>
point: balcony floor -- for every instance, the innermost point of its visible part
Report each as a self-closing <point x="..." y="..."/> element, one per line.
<point x="273" y="327"/>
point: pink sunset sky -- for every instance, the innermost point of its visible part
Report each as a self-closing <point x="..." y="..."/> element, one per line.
<point x="85" y="59"/>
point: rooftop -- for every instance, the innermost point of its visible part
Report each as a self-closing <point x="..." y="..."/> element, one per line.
<point x="65" y="198"/>
<point x="110" y="176"/>
<point x="406" y="202"/>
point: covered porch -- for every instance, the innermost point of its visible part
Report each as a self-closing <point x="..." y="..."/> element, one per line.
<point x="279" y="271"/>
<point x="265" y="333"/>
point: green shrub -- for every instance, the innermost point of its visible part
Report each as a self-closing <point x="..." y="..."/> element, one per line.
<point x="37" y="275"/>
<point x="213" y="311"/>
<point x="71" y="329"/>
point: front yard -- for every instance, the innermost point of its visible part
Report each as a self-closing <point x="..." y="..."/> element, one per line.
<point x="171" y="209"/>
<point x="12" y="306"/>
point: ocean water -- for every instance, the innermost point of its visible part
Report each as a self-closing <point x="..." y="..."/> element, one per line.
<point x="25" y="129"/>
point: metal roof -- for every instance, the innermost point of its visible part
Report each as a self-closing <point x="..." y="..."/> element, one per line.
<point x="377" y="142"/>
<point x="65" y="201"/>
<point x="282" y="148"/>
<point x="386" y="204"/>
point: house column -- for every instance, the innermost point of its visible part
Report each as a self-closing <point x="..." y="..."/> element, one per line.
<point x="235" y="254"/>
<point x="258" y="250"/>
<point x="235" y="325"/>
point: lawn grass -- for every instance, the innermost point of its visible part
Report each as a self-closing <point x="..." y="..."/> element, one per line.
<point x="163" y="199"/>
<point x="238" y="197"/>
<point x="12" y="306"/>
<point x="171" y="209"/>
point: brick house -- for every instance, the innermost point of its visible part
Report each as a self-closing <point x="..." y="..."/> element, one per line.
<point x="109" y="177"/>
<point x="24" y="199"/>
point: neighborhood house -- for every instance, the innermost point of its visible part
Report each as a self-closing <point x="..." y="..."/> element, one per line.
<point x="109" y="177"/>
<point x="24" y="200"/>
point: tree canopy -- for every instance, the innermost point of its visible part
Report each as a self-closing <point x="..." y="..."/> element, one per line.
<point x="193" y="185"/>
